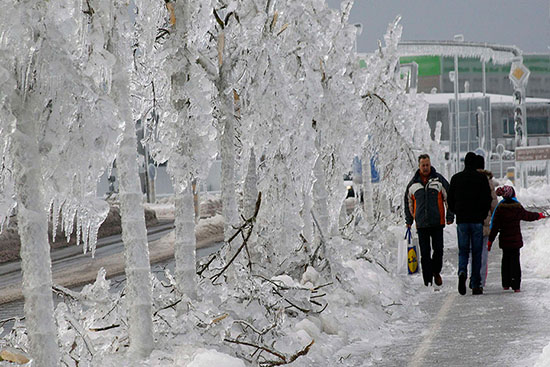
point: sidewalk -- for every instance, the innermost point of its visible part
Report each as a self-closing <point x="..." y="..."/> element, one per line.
<point x="498" y="328"/>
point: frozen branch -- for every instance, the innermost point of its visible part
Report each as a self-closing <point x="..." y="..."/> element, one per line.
<point x="248" y="224"/>
<point x="172" y="305"/>
<point x="251" y="327"/>
<point x="65" y="292"/>
<point x="208" y="66"/>
<point x="105" y="327"/>
<point x="322" y="238"/>
<point x="290" y="359"/>
<point x="78" y="328"/>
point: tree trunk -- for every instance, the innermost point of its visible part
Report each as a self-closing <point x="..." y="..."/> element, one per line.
<point x="185" y="244"/>
<point x="229" y="201"/>
<point x="320" y="198"/>
<point x="306" y="215"/>
<point x="134" y="236"/>
<point x="35" y="249"/>
<point x="134" y="233"/>
<point x="250" y="187"/>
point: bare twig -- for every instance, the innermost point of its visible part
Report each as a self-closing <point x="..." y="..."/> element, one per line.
<point x="205" y="266"/>
<point x="218" y="19"/>
<point x="78" y="328"/>
<point x="260" y="347"/>
<point x="66" y="292"/>
<point x="304" y="310"/>
<point x="290" y="359"/>
<point x="161" y="33"/>
<point x="322" y="286"/>
<point x="249" y="224"/>
<point x="105" y="327"/>
<point x="5" y="321"/>
<point x="278" y="285"/>
<point x="322" y="242"/>
<point x="172" y="305"/>
<point x="90" y="11"/>
<point x="317" y="296"/>
<point x="251" y="327"/>
<point x="393" y="304"/>
<point x="371" y="95"/>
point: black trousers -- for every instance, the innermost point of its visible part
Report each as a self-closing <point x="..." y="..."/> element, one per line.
<point x="431" y="255"/>
<point x="511" y="269"/>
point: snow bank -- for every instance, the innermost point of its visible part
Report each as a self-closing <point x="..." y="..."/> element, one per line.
<point x="537" y="250"/>
<point x="544" y="359"/>
<point x="536" y="247"/>
<point x="537" y="196"/>
<point x="210" y="357"/>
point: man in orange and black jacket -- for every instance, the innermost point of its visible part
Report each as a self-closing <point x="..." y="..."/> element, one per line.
<point x="426" y="204"/>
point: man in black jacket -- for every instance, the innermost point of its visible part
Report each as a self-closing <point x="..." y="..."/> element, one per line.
<point x="425" y="203"/>
<point x="470" y="199"/>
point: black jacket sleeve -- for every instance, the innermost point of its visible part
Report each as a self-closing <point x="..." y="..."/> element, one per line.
<point x="451" y="196"/>
<point x="449" y="215"/>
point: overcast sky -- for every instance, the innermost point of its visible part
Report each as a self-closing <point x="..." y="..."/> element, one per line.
<point x="523" y="23"/>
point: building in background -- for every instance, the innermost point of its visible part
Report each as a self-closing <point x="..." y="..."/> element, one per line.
<point x="433" y="72"/>
<point x="497" y="104"/>
<point x="501" y="116"/>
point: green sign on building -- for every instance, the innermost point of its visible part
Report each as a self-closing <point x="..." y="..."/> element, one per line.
<point x="427" y="65"/>
<point x="438" y="65"/>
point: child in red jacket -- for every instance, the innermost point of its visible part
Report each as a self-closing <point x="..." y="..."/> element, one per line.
<point x="506" y="221"/>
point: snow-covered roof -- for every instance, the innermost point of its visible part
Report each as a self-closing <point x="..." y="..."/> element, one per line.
<point x="497" y="54"/>
<point x="443" y="98"/>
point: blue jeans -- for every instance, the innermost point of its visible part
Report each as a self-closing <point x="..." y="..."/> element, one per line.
<point x="470" y="236"/>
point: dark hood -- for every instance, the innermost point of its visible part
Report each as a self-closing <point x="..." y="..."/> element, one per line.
<point x="470" y="161"/>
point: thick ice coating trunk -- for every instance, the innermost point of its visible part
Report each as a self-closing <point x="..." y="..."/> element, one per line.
<point x="320" y="199"/>
<point x="35" y="249"/>
<point x="134" y="236"/>
<point x="250" y="187"/>
<point x="229" y="201"/>
<point x="134" y="232"/>
<point x="185" y="244"/>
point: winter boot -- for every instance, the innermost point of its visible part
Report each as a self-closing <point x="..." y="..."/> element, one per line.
<point x="437" y="279"/>
<point x="477" y="290"/>
<point x="462" y="283"/>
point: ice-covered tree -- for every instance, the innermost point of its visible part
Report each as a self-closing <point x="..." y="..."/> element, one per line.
<point x="59" y="135"/>
<point x="134" y="232"/>
<point x="185" y="135"/>
<point x="305" y="79"/>
<point x="396" y="126"/>
<point x="269" y="118"/>
<point x="334" y="124"/>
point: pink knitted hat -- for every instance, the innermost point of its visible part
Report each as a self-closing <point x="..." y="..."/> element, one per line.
<point x="506" y="191"/>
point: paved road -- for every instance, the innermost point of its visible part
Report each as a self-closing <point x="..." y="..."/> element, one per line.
<point x="498" y="328"/>
<point x="63" y="258"/>
<point x="71" y="268"/>
<point x="72" y="258"/>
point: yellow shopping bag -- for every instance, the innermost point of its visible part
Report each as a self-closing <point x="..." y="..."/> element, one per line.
<point x="412" y="253"/>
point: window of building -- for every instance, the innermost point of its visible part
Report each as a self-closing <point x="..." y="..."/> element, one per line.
<point x="508" y="126"/>
<point x="537" y="125"/>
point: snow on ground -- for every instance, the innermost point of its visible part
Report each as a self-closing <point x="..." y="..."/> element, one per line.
<point x="536" y="250"/>
<point x="375" y="312"/>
